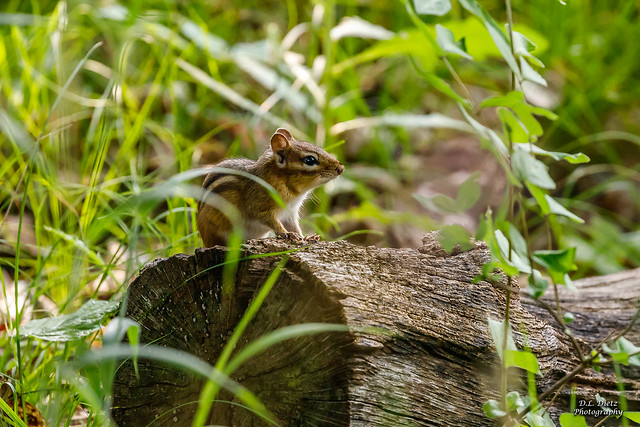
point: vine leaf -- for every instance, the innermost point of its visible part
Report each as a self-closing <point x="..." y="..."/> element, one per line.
<point x="448" y="43"/>
<point x="522" y="359"/>
<point x="557" y="263"/>
<point x="69" y="327"/>
<point x="452" y="235"/>
<point x="497" y="35"/>
<point x="528" y="168"/>
<point x="432" y="7"/>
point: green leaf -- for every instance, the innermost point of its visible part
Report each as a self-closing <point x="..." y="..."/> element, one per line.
<point x="512" y="126"/>
<point x="521" y="264"/>
<point x="515" y="101"/>
<point x="539" y="194"/>
<point x="522" y="46"/>
<point x="469" y="192"/>
<point x="570" y="420"/>
<point x="633" y="416"/>
<point x="557" y="262"/>
<point x="354" y="26"/>
<point x="437" y="203"/>
<point x="537" y="284"/>
<point x="568" y="317"/>
<point x="522" y="359"/>
<point x="571" y="158"/>
<point x="68" y="327"/>
<point x="528" y="73"/>
<point x="432" y="7"/>
<point x="497" y="332"/>
<point x="558" y="209"/>
<point x="621" y="351"/>
<point x="468" y="195"/>
<point x="451" y="235"/>
<point x="515" y="401"/>
<point x="536" y="420"/>
<point x="497" y="35"/>
<point x="448" y="44"/>
<point x="492" y="409"/>
<point x="528" y="168"/>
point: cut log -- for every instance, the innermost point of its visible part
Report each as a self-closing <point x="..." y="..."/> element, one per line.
<point x="434" y="365"/>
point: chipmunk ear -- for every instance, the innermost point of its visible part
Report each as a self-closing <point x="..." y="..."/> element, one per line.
<point x="286" y="133"/>
<point x="279" y="141"/>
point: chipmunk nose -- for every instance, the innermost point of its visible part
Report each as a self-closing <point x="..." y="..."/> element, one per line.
<point x="340" y="168"/>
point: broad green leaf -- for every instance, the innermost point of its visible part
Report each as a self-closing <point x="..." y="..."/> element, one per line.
<point x="522" y="359"/>
<point x="68" y="327"/>
<point x="558" y="209"/>
<point x="537" y="284"/>
<point x="452" y="235"/>
<point x="557" y="262"/>
<point x="492" y="409"/>
<point x="469" y="192"/>
<point x="354" y="26"/>
<point x="528" y="168"/>
<point x="521" y="264"/>
<point x="627" y="346"/>
<point x="502" y="245"/>
<point x="621" y="350"/>
<point x="437" y="203"/>
<point x="409" y="42"/>
<point x="522" y="45"/>
<point x="514" y="400"/>
<point x="538" y="194"/>
<point x="556" y="155"/>
<point x="570" y="420"/>
<point x="499" y="38"/>
<point x="633" y="416"/>
<point x="432" y="7"/>
<point x="479" y="43"/>
<point x="541" y="111"/>
<point x="512" y="126"/>
<point x="535" y="420"/>
<point x="528" y="73"/>
<point x="468" y="195"/>
<point x="497" y="332"/>
<point x="515" y="101"/>
<point x="448" y="44"/>
<point x="568" y="317"/>
<point x="518" y="243"/>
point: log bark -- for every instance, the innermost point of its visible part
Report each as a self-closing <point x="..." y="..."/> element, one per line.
<point x="434" y="365"/>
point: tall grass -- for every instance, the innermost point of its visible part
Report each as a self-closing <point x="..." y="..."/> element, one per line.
<point x="97" y="166"/>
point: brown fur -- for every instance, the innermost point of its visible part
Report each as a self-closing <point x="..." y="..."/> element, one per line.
<point x="284" y="170"/>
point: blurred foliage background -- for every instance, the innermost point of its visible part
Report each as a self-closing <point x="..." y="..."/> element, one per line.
<point x="92" y="189"/>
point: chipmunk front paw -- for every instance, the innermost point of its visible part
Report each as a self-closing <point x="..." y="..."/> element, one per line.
<point x="289" y="235"/>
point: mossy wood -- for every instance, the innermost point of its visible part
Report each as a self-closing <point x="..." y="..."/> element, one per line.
<point x="436" y="365"/>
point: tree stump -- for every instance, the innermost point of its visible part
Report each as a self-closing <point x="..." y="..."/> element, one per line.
<point x="435" y="365"/>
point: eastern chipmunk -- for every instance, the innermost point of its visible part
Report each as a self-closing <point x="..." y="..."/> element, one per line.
<point x="293" y="168"/>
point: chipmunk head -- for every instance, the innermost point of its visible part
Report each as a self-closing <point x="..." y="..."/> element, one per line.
<point x="310" y="164"/>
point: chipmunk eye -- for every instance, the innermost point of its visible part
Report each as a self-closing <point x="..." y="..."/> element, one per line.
<point x="310" y="160"/>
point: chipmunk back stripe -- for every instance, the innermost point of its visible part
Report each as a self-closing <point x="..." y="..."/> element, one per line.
<point x="211" y="179"/>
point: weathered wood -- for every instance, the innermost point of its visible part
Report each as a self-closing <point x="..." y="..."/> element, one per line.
<point x="436" y="365"/>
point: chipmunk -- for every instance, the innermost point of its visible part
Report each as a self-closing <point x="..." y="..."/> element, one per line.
<point x="293" y="168"/>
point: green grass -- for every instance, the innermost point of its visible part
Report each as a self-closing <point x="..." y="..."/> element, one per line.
<point x="96" y="167"/>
